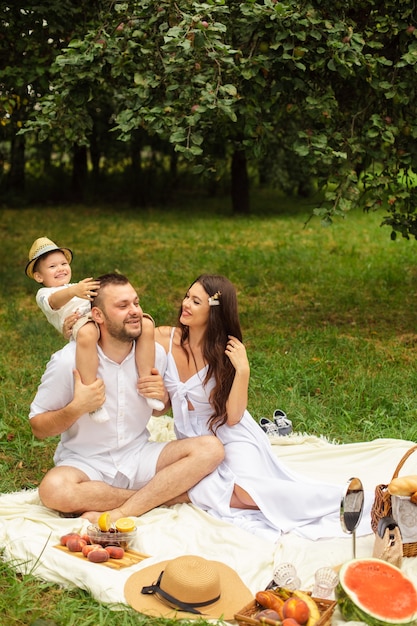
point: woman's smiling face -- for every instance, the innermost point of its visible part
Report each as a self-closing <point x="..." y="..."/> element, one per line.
<point x="195" y="306"/>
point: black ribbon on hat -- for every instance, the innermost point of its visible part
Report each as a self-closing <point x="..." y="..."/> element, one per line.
<point x="182" y="606"/>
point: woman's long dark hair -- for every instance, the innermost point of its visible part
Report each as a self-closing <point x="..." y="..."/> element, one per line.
<point x="223" y="321"/>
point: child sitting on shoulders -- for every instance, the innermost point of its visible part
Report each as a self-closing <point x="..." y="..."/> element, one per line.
<point x="49" y="265"/>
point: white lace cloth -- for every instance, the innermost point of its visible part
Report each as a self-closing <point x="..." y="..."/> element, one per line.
<point x="29" y="531"/>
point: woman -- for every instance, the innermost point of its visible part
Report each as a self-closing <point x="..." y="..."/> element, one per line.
<point x="207" y="379"/>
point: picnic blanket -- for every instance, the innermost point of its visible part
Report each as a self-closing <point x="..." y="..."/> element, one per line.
<point x="29" y="532"/>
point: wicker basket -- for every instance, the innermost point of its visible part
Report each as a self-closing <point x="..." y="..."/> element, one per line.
<point x="382" y="505"/>
<point x="247" y="614"/>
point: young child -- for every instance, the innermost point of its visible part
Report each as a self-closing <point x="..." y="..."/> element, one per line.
<point x="49" y="265"/>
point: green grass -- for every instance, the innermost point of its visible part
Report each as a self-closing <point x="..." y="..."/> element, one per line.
<point x="328" y="316"/>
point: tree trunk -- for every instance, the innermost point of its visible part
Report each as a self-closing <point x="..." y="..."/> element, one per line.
<point x="79" y="172"/>
<point x="137" y="183"/>
<point x="16" y="177"/>
<point x="240" y="183"/>
<point x="95" y="155"/>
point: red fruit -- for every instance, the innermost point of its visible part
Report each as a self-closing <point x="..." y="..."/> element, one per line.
<point x="290" y="621"/>
<point x="76" y="544"/>
<point x="269" y="614"/>
<point x="204" y="24"/>
<point x="65" y="538"/>
<point x="115" y="552"/>
<point x="98" y="556"/>
<point x="90" y="547"/>
<point x="86" y="538"/>
<point x="296" y="609"/>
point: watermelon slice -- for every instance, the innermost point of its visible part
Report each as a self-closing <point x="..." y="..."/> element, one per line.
<point x="377" y="593"/>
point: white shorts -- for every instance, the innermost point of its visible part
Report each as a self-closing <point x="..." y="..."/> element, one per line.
<point x="84" y="319"/>
<point x="101" y="467"/>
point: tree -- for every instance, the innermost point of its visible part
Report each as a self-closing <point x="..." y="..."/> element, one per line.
<point x="333" y="83"/>
<point x="31" y="35"/>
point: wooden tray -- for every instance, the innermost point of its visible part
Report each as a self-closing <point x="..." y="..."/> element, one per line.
<point x="131" y="557"/>
<point x="247" y="614"/>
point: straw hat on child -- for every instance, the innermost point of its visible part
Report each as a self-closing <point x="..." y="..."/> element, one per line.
<point x="42" y="246"/>
<point x="187" y="587"/>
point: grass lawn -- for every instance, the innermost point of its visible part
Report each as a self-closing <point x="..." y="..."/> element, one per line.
<point x="328" y="316"/>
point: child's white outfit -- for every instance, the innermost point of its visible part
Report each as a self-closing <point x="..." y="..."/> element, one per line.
<point x="56" y="317"/>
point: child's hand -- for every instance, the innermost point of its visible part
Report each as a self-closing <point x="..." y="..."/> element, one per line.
<point x="87" y="288"/>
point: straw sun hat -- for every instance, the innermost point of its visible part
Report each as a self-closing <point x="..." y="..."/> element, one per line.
<point x="187" y="587"/>
<point x="42" y="246"/>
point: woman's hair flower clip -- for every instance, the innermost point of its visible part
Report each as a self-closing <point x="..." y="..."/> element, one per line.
<point x="214" y="299"/>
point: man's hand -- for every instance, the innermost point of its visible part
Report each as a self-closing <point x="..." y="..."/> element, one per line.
<point x="68" y="324"/>
<point x="153" y="386"/>
<point x="87" y="398"/>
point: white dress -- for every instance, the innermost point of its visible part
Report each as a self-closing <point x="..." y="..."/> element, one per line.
<point x="287" y="502"/>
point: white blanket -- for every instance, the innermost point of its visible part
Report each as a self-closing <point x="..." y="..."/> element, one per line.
<point x="29" y="531"/>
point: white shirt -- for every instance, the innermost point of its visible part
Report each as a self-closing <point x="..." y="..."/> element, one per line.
<point x="56" y="317"/>
<point x="124" y="434"/>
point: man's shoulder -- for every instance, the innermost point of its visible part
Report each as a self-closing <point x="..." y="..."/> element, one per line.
<point x="65" y="354"/>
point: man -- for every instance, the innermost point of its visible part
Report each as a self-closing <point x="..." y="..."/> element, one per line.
<point x="112" y="466"/>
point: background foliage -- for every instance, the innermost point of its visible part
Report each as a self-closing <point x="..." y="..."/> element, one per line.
<point x="309" y="95"/>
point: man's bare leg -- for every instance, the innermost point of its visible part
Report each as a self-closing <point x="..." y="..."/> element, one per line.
<point x="181" y="465"/>
<point x="69" y="490"/>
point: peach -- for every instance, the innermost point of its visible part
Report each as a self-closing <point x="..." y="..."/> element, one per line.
<point x="290" y="621"/>
<point x="65" y="538"/>
<point x="76" y="544"/>
<point x="296" y="609"/>
<point x="89" y="547"/>
<point x="98" y="556"/>
<point x="115" y="552"/>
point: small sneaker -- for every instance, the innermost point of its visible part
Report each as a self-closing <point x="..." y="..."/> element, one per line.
<point x="268" y="426"/>
<point x="100" y="415"/>
<point x="155" y="404"/>
<point x="283" y="424"/>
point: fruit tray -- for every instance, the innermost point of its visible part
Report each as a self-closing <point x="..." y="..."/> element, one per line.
<point x="247" y="614"/>
<point x="130" y="558"/>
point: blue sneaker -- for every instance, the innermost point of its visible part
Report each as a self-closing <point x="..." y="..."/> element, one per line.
<point x="283" y="424"/>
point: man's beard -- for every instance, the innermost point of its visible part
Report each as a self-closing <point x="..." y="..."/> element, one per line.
<point x="121" y="332"/>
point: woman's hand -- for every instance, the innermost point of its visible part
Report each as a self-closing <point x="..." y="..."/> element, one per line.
<point x="236" y="352"/>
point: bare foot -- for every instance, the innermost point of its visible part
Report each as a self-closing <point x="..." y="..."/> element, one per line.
<point x="93" y="516"/>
